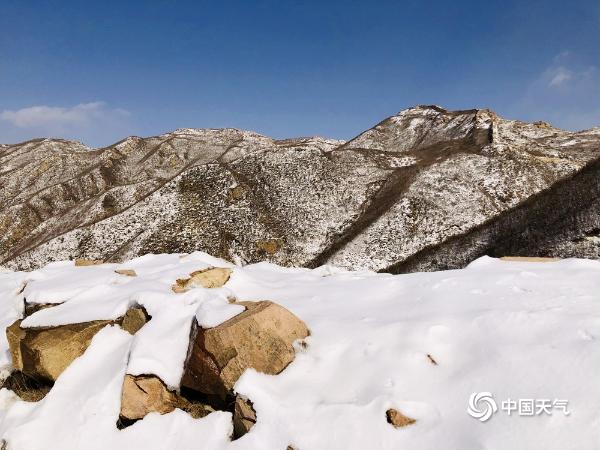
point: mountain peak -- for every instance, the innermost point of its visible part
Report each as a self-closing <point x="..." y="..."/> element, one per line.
<point x="400" y="196"/>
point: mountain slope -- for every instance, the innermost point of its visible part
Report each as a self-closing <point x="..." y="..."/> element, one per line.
<point x="425" y="189"/>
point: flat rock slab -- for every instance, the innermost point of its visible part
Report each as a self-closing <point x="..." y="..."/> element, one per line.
<point x="528" y="259"/>
<point x="213" y="277"/>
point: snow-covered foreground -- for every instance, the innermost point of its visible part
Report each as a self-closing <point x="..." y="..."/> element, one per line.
<point x="517" y="330"/>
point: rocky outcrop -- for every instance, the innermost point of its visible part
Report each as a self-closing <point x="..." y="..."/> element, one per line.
<point x="423" y="190"/>
<point x="260" y="338"/>
<point x="44" y="353"/>
<point x="47" y="353"/>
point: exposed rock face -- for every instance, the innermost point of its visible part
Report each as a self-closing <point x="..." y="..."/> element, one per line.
<point x="27" y="388"/>
<point x="425" y="189"/>
<point x="144" y="394"/>
<point x="44" y="353"/>
<point x="244" y="416"/>
<point x="47" y="353"/>
<point x="133" y="320"/>
<point x="147" y="393"/>
<point x="261" y="338"/>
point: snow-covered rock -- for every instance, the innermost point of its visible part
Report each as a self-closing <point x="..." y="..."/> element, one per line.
<point x="44" y="353"/>
<point x="146" y="394"/>
<point x="421" y="344"/>
<point x="260" y="337"/>
<point x="425" y="189"/>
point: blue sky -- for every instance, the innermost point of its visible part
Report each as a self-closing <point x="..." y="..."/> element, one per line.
<point x="99" y="71"/>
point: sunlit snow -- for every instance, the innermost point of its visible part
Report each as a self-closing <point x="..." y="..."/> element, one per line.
<point x="421" y="343"/>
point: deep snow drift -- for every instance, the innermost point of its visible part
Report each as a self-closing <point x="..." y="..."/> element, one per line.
<point x="421" y="343"/>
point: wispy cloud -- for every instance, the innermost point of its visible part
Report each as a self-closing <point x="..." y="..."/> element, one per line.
<point x="559" y="76"/>
<point x="565" y="93"/>
<point x="85" y="121"/>
<point x="43" y="116"/>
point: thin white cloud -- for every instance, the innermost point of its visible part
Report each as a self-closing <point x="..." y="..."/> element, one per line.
<point x="560" y="76"/>
<point x="566" y="93"/>
<point x="94" y="123"/>
<point x="562" y="56"/>
<point x="42" y="116"/>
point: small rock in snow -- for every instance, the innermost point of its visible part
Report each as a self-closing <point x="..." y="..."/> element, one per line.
<point x="397" y="419"/>
<point x="127" y="272"/>
<point x="82" y="262"/>
<point x="209" y="278"/>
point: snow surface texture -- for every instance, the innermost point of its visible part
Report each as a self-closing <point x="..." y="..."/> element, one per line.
<point x="515" y="329"/>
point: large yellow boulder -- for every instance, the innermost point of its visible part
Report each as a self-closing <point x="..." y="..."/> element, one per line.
<point x="261" y="338"/>
<point x="44" y="353"/>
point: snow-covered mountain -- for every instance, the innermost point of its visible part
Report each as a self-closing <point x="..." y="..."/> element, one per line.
<point x="425" y="189"/>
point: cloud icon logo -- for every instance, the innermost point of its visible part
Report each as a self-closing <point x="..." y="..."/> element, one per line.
<point x="482" y="406"/>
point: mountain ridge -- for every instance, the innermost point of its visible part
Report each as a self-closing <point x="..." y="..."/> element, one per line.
<point x="414" y="181"/>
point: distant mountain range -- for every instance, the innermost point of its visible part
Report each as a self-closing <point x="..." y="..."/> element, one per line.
<point x="425" y="189"/>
